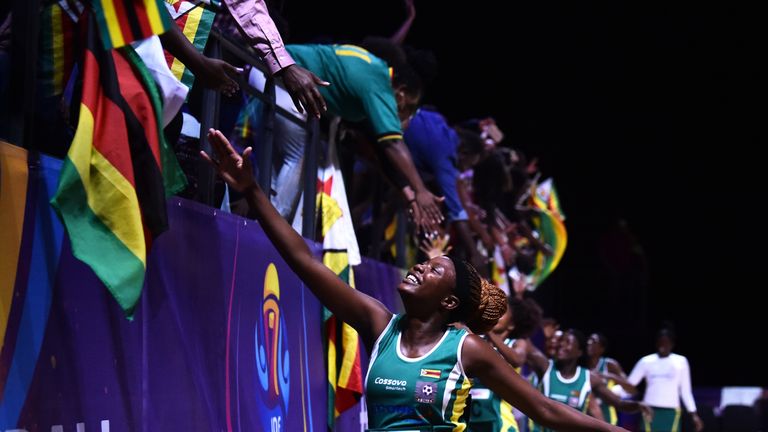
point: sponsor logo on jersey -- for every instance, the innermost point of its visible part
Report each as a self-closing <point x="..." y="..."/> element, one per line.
<point x="391" y="384"/>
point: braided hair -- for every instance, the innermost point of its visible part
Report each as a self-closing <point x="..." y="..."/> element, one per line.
<point x="481" y="302"/>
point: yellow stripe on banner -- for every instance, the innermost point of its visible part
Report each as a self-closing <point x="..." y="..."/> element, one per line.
<point x="113" y="24"/>
<point x="13" y="199"/>
<point x="460" y="404"/>
<point x="351" y="53"/>
<point x="58" y="49"/>
<point x="155" y="21"/>
<point x="110" y="195"/>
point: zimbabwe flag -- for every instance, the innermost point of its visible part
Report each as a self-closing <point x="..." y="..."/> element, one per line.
<point x="124" y="21"/>
<point x="345" y="376"/>
<point x="58" y="46"/>
<point x="550" y="223"/>
<point x="195" y="22"/>
<point x="113" y="184"/>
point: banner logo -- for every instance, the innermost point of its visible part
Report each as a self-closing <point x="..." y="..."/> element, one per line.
<point x="272" y="357"/>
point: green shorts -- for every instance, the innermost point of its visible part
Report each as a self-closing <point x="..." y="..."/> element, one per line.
<point x="664" y="420"/>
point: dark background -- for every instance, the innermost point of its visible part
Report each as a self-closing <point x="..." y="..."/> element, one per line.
<point x="647" y="117"/>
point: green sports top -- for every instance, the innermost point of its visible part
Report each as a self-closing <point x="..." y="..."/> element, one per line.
<point x="609" y="412"/>
<point x="573" y="391"/>
<point x="361" y="85"/>
<point x="491" y="413"/>
<point x="428" y="393"/>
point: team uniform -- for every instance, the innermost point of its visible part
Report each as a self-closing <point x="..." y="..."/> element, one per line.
<point x="428" y="393"/>
<point x="609" y="412"/>
<point x="573" y="391"/>
<point x="490" y="413"/>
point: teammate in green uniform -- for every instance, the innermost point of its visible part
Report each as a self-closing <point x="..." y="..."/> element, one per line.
<point x="491" y="413"/>
<point x="566" y="379"/>
<point x="421" y="367"/>
<point x="608" y="368"/>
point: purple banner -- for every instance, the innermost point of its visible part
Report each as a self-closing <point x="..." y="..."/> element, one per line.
<point x="226" y="338"/>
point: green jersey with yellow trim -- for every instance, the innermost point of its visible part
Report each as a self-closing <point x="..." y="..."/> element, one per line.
<point x="491" y="413"/>
<point x="573" y="391"/>
<point x="361" y="85"/>
<point x="609" y="412"/>
<point x="428" y="393"/>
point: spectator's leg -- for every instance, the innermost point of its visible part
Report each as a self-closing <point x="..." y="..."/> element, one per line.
<point x="290" y="139"/>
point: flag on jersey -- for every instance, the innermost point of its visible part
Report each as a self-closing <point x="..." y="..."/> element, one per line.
<point x="121" y="22"/>
<point x="195" y="20"/>
<point x="113" y="184"/>
<point x="551" y="227"/>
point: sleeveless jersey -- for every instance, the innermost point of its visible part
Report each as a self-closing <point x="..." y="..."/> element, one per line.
<point x="491" y="413"/>
<point x="428" y="393"/>
<point x="609" y="412"/>
<point x="573" y="391"/>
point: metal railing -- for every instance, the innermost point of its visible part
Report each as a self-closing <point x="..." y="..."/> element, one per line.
<point x="217" y="44"/>
<point x="21" y="121"/>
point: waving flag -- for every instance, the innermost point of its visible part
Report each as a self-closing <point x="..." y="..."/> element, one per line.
<point x="194" y="21"/>
<point x="550" y="225"/>
<point x="121" y="22"/>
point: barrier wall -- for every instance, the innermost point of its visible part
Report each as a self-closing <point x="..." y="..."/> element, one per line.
<point x="225" y="338"/>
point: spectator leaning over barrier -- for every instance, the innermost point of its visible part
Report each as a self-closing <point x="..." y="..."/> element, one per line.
<point x="382" y="94"/>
